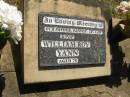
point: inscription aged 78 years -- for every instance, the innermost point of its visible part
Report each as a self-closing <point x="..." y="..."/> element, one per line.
<point x="70" y="41"/>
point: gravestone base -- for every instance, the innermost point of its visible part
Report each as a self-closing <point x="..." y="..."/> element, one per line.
<point x="90" y="9"/>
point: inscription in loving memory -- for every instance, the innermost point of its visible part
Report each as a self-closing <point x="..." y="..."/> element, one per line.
<point x="65" y="41"/>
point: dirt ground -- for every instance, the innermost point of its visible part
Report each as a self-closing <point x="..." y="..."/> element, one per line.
<point x="113" y="86"/>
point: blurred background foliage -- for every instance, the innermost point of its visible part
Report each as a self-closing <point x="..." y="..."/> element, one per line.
<point x="18" y="3"/>
<point x="112" y="3"/>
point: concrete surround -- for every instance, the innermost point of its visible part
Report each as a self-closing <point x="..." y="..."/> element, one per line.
<point x="30" y="42"/>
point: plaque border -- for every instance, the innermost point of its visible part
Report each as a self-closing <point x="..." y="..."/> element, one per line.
<point x="67" y="66"/>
